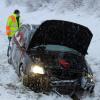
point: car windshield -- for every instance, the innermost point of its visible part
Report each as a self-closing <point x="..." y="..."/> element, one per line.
<point x="58" y="48"/>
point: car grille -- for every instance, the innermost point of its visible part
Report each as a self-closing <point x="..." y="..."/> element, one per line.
<point x="66" y="74"/>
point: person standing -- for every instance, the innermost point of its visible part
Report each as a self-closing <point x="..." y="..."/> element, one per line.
<point x="12" y="26"/>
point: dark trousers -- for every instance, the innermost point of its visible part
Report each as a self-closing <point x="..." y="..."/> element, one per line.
<point x="9" y="46"/>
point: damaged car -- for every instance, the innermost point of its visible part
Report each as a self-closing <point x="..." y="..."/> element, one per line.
<point x="51" y="57"/>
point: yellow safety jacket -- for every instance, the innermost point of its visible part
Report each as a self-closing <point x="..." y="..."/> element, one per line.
<point x="12" y="25"/>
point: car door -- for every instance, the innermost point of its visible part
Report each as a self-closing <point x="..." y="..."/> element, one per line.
<point x="19" y="44"/>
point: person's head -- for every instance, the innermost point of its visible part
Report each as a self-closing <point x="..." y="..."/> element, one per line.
<point x="17" y="12"/>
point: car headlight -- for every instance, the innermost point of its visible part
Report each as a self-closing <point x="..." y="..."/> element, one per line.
<point x="37" y="69"/>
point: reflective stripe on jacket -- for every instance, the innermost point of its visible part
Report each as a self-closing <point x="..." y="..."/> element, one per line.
<point x="12" y="25"/>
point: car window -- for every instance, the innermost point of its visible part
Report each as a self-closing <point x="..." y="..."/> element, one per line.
<point x="24" y="35"/>
<point x="27" y="35"/>
<point x="29" y="31"/>
<point x="20" y="36"/>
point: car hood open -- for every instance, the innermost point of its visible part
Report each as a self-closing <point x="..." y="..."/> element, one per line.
<point x="64" y="33"/>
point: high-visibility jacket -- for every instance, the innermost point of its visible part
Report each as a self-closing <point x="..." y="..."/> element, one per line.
<point x="12" y="25"/>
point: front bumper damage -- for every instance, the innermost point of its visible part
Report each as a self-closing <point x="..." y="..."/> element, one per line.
<point x="65" y="86"/>
<point x="44" y="83"/>
<point x="40" y="83"/>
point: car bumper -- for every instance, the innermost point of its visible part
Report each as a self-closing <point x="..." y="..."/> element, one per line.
<point x="62" y="86"/>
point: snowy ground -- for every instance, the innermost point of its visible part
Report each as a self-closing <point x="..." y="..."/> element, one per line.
<point x="10" y="87"/>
